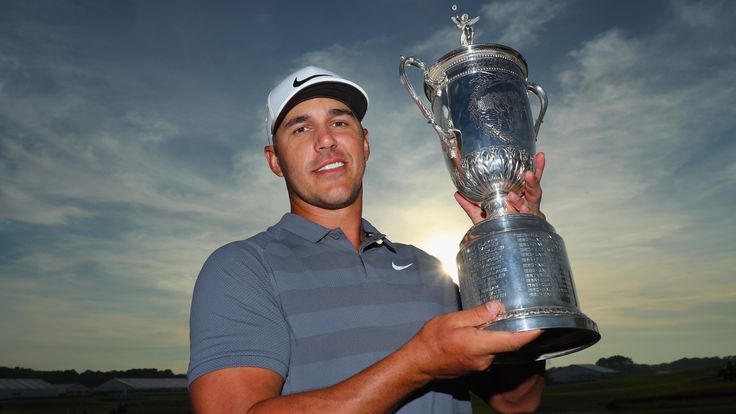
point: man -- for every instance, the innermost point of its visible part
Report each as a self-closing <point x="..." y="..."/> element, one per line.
<point x="322" y="313"/>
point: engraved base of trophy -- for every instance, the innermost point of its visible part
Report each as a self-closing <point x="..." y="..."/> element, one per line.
<point x="520" y="260"/>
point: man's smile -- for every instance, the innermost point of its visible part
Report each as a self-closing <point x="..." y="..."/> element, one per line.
<point x="331" y="166"/>
<point x="330" y="163"/>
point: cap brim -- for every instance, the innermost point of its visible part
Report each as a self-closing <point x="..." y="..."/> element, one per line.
<point x="343" y="92"/>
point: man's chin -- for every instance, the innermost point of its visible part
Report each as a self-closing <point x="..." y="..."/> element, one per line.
<point x="337" y="200"/>
<point x="333" y="199"/>
<point x="336" y="204"/>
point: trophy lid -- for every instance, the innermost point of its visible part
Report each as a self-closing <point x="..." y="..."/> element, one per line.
<point x="468" y="53"/>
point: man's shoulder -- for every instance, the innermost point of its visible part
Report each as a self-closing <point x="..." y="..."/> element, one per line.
<point x="237" y="264"/>
<point x="254" y="245"/>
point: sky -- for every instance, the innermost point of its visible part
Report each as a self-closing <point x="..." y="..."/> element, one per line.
<point x="131" y="139"/>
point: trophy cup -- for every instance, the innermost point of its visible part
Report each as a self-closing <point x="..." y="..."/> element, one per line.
<point x="481" y="112"/>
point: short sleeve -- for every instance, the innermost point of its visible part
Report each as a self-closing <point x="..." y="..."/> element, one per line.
<point x="236" y="319"/>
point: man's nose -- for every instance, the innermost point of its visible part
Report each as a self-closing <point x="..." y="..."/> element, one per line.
<point x="325" y="139"/>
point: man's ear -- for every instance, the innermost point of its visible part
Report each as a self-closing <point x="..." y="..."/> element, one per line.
<point x="366" y="145"/>
<point x="273" y="160"/>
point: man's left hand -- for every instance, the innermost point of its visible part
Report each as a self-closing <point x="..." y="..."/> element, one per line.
<point x="526" y="202"/>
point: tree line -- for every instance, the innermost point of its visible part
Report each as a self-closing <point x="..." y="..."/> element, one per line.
<point x="88" y="378"/>
<point x="626" y="365"/>
<point x="619" y="363"/>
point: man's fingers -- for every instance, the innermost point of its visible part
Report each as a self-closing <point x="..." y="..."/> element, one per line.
<point x="532" y="188"/>
<point x="479" y="315"/>
<point x="539" y="160"/>
<point x="471" y="209"/>
<point x="532" y="194"/>
<point x="504" y="341"/>
<point x="525" y="205"/>
<point x="515" y="203"/>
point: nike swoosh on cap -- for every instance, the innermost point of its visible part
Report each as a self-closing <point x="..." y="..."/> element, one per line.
<point x="298" y="83"/>
<point x="397" y="267"/>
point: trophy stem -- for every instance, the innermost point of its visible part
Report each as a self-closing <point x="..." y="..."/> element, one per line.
<point x="495" y="205"/>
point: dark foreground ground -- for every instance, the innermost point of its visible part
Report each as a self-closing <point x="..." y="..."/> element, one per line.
<point x="153" y="404"/>
<point x="696" y="391"/>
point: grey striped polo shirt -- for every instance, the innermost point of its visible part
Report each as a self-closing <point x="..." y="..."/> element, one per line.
<point x="299" y="300"/>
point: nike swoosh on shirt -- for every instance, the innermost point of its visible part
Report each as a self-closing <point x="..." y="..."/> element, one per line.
<point x="298" y="83"/>
<point x="397" y="267"/>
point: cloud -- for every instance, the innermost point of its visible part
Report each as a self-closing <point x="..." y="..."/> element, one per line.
<point x="626" y="117"/>
<point x="107" y="217"/>
<point x="438" y="43"/>
<point x="519" y="23"/>
<point x="510" y="22"/>
<point x="21" y="206"/>
<point x="700" y="14"/>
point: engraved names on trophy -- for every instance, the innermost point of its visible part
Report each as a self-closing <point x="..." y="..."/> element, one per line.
<point x="540" y="253"/>
<point x="539" y="256"/>
<point x="491" y="269"/>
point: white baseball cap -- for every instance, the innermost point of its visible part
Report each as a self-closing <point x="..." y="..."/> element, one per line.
<point x="312" y="82"/>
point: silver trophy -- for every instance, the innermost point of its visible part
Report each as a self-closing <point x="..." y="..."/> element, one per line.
<point x="481" y="112"/>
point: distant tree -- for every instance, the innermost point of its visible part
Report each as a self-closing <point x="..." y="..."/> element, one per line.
<point x="728" y="372"/>
<point x="17" y="372"/>
<point x="617" y="362"/>
<point x="88" y="378"/>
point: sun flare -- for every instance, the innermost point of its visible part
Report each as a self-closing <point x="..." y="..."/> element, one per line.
<point x="445" y="248"/>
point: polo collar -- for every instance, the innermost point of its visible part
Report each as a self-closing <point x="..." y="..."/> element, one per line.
<point x="314" y="232"/>
<point x="302" y="227"/>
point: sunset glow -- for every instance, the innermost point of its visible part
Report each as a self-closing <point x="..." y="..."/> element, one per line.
<point x="444" y="247"/>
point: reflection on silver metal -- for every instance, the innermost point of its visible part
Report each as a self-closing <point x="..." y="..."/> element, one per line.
<point x="480" y="110"/>
<point x="520" y="260"/>
<point x="465" y="24"/>
<point x="479" y="104"/>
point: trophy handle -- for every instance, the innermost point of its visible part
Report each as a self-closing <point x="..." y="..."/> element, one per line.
<point x="411" y="61"/>
<point x="542" y="95"/>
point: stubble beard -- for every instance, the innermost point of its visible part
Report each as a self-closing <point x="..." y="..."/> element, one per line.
<point x="340" y="200"/>
<point x="325" y="201"/>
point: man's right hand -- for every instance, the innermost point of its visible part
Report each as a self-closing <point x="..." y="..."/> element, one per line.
<point x="456" y="344"/>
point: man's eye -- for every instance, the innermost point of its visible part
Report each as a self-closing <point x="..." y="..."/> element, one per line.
<point x="300" y="130"/>
<point x="340" y="123"/>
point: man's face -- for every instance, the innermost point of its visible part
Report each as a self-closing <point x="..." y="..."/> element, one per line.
<point x="321" y="151"/>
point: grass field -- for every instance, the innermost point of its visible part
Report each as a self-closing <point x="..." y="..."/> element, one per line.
<point x="697" y="391"/>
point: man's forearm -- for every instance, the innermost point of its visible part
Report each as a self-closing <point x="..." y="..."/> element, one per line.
<point x="379" y="388"/>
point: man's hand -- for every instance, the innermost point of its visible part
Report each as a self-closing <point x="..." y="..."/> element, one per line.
<point x="531" y="195"/>
<point x="511" y="388"/>
<point x="515" y="388"/>
<point x="526" y="202"/>
<point x="455" y="344"/>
